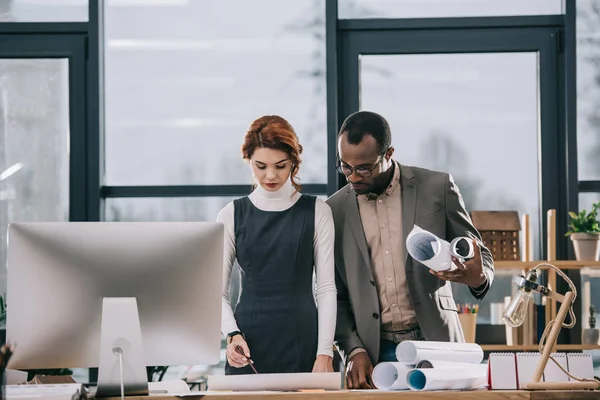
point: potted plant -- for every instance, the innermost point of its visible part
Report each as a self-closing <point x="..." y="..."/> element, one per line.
<point x="585" y="234"/>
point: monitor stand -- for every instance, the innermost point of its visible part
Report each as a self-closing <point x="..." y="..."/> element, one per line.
<point x="121" y="367"/>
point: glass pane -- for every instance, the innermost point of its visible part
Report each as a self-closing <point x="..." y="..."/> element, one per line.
<point x="588" y="90"/>
<point x="34" y="144"/>
<point x="448" y="111"/>
<point x="184" y="81"/>
<point x="590" y="295"/>
<point x="445" y="8"/>
<point x="590" y="287"/>
<point x="165" y="209"/>
<point x="585" y="203"/>
<point x="44" y="10"/>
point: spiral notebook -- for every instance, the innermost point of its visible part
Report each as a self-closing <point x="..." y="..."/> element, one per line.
<point x="552" y="373"/>
<point x="502" y="371"/>
<point x="526" y="366"/>
<point x="580" y="365"/>
<point x="507" y="371"/>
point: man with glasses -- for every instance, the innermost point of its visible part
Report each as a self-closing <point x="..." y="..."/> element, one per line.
<point x="384" y="296"/>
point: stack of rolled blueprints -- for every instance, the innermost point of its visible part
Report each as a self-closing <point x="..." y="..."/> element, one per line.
<point x="424" y="365"/>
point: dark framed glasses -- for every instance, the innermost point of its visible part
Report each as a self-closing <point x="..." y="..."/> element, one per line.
<point x="360" y="171"/>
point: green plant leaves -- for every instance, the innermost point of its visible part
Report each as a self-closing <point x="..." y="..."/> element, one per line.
<point x="584" y="221"/>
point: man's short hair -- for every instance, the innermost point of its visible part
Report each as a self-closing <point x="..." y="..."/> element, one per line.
<point x="363" y="123"/>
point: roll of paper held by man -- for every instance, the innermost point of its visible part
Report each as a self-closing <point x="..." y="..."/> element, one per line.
<point x="436" y="253"/>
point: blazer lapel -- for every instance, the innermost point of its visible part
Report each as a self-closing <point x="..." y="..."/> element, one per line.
<point x="409" y="203"/>
<point x="355" y="224"/>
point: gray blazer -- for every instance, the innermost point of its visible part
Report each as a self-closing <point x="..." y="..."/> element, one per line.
<point x="431" y="200"/>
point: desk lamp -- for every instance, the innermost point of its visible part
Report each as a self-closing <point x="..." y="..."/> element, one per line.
<point x="514" y="316"/>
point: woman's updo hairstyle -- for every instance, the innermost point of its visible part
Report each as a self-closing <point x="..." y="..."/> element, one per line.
<point x="274" y="132"/>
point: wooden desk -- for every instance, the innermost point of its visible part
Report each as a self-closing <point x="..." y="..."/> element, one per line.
<point x="378" y="395"/>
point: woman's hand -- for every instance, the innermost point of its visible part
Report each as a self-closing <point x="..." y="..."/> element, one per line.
<point x="234" y="358"/>
<point x="323" y="363"/>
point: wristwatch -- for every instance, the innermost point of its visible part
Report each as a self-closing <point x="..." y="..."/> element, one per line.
<point x="230" y="335"/>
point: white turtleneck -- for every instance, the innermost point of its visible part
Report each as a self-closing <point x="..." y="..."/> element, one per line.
<point x="325" y="291"/>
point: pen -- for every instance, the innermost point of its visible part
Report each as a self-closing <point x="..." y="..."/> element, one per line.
<point x="239" y="349"/>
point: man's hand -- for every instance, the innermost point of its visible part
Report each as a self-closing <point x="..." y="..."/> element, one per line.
<point x="323" y="363"/>
<point x="358" y="372"/>
<point x="470" y="272"/>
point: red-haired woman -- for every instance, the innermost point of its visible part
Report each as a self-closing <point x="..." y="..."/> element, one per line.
<point x="279" y="237"/>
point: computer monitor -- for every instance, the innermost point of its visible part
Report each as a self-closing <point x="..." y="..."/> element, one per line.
<point x="76" y="289"/>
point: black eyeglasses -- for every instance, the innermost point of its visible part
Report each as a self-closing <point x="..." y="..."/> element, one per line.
<point x="360" y="171"/>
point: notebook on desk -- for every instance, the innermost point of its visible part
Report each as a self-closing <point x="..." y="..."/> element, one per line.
<point x="502" y="371"/>
<point x="552" y="373"/>
<point x="526" y="365"/>
<point x="509" y="371"/>
<point x="580" y="365"/>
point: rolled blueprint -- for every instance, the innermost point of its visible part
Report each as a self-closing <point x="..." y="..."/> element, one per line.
<point x="391" y="376"/>
<point x="435" y="253"/>
<point x="412" y="352"/>
<point x="448" y="378"/>
<point x="444" y="364"/>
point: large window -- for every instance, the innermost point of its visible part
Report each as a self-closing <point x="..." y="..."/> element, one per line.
<point x="165" y="209"/>
<point x="588" y="90"/>
<point x="185" y="79"/>
<point x="445" y="112"/>
<point x="34" y="144"/>
<point x="588" y="131"/>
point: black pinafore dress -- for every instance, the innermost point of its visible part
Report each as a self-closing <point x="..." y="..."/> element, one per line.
<point x="276" y="309"/>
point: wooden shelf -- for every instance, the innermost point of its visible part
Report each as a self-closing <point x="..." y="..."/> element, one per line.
<point x="535" y="347"/>
<point x="571" y="264"/>
<point x="550" y="310"/>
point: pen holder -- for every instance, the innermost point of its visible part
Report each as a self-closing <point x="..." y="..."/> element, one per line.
<point x="468" y="321"/>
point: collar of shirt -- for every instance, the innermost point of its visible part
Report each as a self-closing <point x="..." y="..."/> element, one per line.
<point x="283" y="193"/>
<point x="279" y="200"/>
<point x="392" y="187"/>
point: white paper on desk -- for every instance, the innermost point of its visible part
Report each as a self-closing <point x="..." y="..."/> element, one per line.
<point x="391" y="375"/>
<point x="277" y="382"/>
<point x="414" y="351"/>
<point x="436" y="253"/>
<point x="202" y="394"/>
<point x="42" y="397"/>
<point x="448" y="379"/>
<point x="61" y="390"/>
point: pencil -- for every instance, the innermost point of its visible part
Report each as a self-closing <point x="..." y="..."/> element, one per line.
<point x="239" y="349"/>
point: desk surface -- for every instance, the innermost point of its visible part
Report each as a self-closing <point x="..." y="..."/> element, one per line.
<point x="379" y="395"/>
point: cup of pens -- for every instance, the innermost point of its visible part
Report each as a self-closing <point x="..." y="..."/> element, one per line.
<point x="467" y="314"/>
